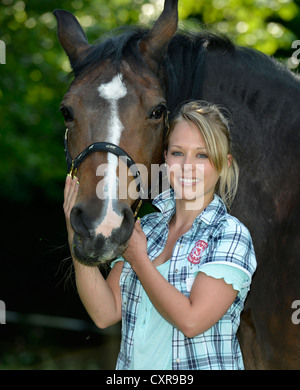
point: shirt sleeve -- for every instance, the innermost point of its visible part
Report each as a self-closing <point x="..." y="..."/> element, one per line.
<point x="231" y="275"/>
<point x="116" y="261"/>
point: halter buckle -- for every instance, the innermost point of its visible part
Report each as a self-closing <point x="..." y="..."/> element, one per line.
<point x="73" y="171"/>
<point x="137" y="209"/>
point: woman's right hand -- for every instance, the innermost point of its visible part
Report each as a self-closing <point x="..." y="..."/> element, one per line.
<point x="70" y="194"/>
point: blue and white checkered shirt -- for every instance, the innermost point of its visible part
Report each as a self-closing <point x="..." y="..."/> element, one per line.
<point x="215" y="237"/>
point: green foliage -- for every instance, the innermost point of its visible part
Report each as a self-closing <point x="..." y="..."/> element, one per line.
<point x="261" y="24"/>
<point x="34" y="78"/>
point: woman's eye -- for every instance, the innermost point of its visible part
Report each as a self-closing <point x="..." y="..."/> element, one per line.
<point x="176" y="154"/>
<point x="201" y="155"/>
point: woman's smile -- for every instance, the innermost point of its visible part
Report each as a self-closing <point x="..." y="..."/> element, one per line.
<point x="188" y="181"/>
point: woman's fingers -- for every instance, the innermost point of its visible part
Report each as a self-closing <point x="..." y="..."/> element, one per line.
<point x="138" y="224"/>
<point x="67" y="190"/>
<point x="70" y="193"/>
<point x="73" y="192"/>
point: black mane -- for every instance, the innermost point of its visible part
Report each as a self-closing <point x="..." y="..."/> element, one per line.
<point x="121" y="43"/>
<point x="185" y="63"/>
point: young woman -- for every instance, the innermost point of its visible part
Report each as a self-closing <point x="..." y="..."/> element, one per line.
<point x="188" y="267"/>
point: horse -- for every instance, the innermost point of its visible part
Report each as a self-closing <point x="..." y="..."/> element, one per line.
<point x="124" y="86"/>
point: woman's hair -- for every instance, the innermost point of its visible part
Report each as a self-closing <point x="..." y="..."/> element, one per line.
<point x="213" y="125"/>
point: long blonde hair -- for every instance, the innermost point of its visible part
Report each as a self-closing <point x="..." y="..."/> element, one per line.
<point x="214" y="129"/>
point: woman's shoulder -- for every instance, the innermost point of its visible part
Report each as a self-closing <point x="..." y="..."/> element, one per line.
<point x="231" y="244"/>
<point x="221" y="221"/>
<point x="234" y="225"/>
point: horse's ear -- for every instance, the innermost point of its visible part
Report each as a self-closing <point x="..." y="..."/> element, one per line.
<point x="71" y="36"/>
<point x="154" y="45"/>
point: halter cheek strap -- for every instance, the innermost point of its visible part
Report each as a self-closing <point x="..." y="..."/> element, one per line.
<point x="73" y="164"/>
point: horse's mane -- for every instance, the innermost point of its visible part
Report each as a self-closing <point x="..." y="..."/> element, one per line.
<point x="185" y="63"/>
<point x="118" y="44"/>
<point x="121" y="43"/>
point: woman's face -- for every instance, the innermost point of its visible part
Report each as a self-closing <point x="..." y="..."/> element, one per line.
<point x="192" y="176"/>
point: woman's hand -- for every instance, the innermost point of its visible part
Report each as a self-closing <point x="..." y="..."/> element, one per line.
<point x="70" y="194"/>
<point x="137" y="246"/>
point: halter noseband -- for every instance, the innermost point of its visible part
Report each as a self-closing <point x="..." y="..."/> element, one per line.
<point x="73" y="164"/>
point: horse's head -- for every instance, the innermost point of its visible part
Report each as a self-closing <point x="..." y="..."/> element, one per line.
<point x="116" y="97"/>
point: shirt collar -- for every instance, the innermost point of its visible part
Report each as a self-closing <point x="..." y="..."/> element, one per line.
<point x="165" y="202"/>
<point x="215" y="211"/>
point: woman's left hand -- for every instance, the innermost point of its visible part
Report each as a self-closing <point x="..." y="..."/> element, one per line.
<point x="137" y="245"/>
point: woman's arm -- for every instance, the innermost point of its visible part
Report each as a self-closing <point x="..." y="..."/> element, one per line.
<point x="209" y="299"/>
<point x="101" y="298"/>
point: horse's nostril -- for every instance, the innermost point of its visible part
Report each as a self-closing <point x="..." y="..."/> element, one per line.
<point x="126" y="212"/>
<point x="77" y="222"/>
<point x="127" y="223"/>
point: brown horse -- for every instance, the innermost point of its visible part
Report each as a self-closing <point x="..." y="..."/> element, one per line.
<point x="119" y="99"/>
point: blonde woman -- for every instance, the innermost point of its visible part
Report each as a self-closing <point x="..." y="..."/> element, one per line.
<point x="188" y="267"/>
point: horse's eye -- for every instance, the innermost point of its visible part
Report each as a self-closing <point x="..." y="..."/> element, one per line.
<point x="158" y="112"/>
<point x="67" y="114"/>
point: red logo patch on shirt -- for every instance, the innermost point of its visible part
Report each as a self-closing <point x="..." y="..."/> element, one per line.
<point x="195" y="255"/>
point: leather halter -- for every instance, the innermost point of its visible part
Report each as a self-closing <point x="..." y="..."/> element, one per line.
<point x="73" y="164"/>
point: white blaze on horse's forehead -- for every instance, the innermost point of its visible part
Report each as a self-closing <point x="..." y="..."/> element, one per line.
<point x="112" y="92"/>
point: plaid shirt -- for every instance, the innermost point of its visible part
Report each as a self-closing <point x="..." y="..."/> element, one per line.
<point x="216" y="237"/>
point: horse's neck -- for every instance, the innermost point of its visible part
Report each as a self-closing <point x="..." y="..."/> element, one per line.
<point x="257" y="90"/>
<point x="250" y="78"/>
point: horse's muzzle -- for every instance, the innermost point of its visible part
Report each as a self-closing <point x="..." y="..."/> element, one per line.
<point x="98" y="240"/>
